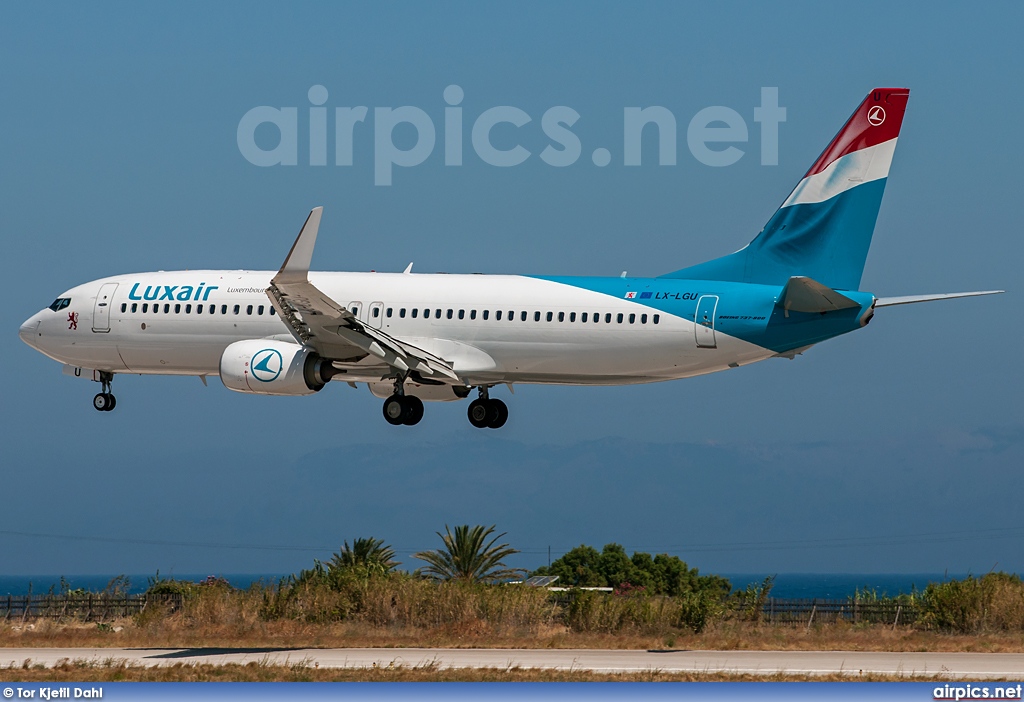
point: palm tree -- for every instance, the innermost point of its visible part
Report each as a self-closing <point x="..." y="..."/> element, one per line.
<point x="468" y="556"/>
<point x="370" y="553"/>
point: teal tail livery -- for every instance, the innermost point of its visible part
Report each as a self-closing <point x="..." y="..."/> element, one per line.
<point x="823" y="229"/>
<point x="413" y="338"/>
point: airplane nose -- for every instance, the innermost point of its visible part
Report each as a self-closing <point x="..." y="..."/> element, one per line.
<point x="28" y="330"/>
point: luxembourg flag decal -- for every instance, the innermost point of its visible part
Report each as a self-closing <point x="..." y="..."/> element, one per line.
<point x="631" y="295"/>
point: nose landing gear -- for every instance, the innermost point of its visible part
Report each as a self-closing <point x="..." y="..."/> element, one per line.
<point x="105" y="400"/>
<point x="486" y="412"/>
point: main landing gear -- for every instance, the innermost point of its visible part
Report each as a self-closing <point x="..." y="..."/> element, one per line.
<point x="105" y="400"/>
<point x="401" y="408"/>
<point x="487" y="413"/>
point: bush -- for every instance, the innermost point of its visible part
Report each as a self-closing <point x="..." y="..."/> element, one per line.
<point x="993" y="602"/>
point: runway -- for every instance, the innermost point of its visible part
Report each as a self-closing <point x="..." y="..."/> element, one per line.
<point x="853" y="663"/>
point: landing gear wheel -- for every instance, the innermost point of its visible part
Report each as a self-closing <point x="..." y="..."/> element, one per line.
<point x="104" y="402"/>
<point x="480" y="413"/>
<point x="500" y="410"/>
<point x="113" y="402"/>
<point x="395" y="410"/>
<point x="414" y="410"/>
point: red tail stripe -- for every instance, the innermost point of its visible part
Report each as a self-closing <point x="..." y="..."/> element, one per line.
<point x="867" y="126"/>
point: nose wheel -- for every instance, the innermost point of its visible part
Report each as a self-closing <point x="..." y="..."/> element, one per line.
<point x="105" y="401"/>
<point x="486" y="412"/>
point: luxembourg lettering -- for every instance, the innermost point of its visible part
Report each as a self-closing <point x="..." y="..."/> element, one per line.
<point x="181" y="293"/>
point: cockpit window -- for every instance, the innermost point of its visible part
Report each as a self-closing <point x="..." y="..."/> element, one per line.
<point x="60" y="303"/>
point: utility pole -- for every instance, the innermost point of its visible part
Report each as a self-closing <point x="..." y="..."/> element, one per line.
<point x="549" y="556"/>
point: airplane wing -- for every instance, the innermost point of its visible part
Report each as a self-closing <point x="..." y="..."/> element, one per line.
<point x="910" y="299"/>
<point x="318" y="321"/>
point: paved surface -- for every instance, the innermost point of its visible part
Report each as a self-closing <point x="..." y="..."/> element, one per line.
<point x="956" y="665"/>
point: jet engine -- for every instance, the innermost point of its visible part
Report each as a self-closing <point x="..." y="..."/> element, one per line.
<point x="269" y="367"/>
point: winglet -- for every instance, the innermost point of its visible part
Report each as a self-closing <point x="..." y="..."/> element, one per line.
<point x="296" y="266"/>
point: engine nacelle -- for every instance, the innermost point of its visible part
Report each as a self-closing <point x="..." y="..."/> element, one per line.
<point x="269" y="367"/>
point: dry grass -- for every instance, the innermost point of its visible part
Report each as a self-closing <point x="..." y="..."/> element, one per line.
<point x="119" y="671"/>
<point x="177" y="631"/>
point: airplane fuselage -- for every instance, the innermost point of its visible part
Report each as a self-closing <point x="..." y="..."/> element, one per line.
<point x="492" y="328"/>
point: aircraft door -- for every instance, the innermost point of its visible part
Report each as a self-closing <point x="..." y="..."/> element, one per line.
<point x="704" y="321"/>
<point x="356" y="308"/>
<point x="376" y="314"/>
<point x="101" y="312"/>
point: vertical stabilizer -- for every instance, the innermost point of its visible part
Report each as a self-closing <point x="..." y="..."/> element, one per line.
<point x="823" y="229"/>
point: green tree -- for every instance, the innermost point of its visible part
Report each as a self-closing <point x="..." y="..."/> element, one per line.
<point x="469" y="556"/>
<point x="370" y="554"/>
<point x="577" y="568"/>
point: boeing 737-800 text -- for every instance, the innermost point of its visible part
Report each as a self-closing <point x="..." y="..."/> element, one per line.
<point x="413" y="337"/>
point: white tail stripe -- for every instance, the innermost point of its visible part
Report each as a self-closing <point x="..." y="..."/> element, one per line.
<point x="844" y="173"/>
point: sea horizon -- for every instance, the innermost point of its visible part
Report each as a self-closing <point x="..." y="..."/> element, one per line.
<point x="785" y="585"/>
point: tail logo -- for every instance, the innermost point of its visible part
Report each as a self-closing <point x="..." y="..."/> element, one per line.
<point x="876" y="115"/>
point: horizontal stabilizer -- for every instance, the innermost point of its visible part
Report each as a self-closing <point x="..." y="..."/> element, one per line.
<point x="910" y="299"/>
<point x="803" y="294"/>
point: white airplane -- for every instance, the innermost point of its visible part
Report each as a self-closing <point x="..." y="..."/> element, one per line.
<point x="413" y="337"/>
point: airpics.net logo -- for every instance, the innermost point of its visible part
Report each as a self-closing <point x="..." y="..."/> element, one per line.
<point x="715" y="136"/>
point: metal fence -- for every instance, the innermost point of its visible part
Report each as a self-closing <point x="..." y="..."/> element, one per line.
<point x="83" y="607"/>
<point x="785" y="611"/>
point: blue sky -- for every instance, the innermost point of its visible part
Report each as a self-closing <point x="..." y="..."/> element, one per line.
<point x="120" y="155"/>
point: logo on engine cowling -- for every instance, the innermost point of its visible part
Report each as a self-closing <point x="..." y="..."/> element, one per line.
<point x="266" y="365"/>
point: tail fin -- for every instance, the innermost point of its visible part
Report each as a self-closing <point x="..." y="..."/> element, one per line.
<point x="823" y="229"/>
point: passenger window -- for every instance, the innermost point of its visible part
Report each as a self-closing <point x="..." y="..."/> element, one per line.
<point x="522" y="315"/>
<point x="643" y="319"/>
<point x="657" y="318"/>
<point x="618" y="318"/>
<point x="449" y="314"/>
<point x="536" y="316"/>
<point x="401" y="313"/>
<point x="124" y="307"/>
<point x="415" y="312"/>
<point x="135" y="307"/>
<point x="237" y="309"/>
<point x="472" y="314"/>
<point x="188" y="309"/>
<point x="561" y="316"/>
<point x="199" y="309"/>
<point x="167" y="308"/>
<point x="608" y="318"/>
<point x="572" y="316"/>
<point x="583" y="317"/>
<point x="389" y="312"/>
<point x="549" y="316"/>
<point x="355" y="311"/>
<point x="511" y="315"/>
<point x="632" y="318"/>
<point x="486" y="312"/>
<point x="426" y="314"/>
<point x="248" y="309"/>
<point x="462" y="314"/>
<point x="259" y="310"/>
<point x="437" y="313"/>
<point x="597" y="317"/>
<point x="145" y="307"/>
<point x="497" y="316"/>
<point x="177" y="308"/>
<point x="224" y="309"/>
<point x="273" y="311"/>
